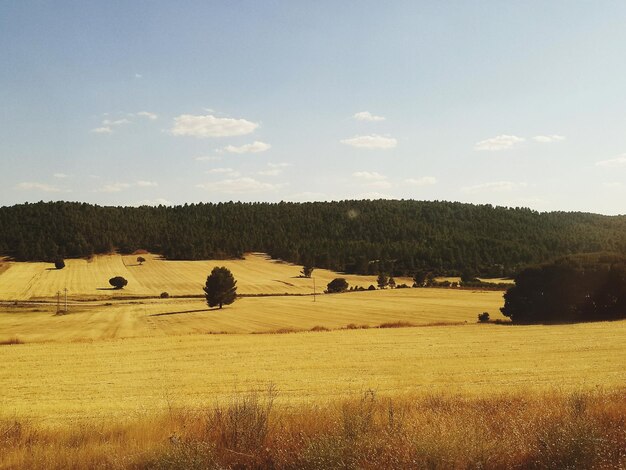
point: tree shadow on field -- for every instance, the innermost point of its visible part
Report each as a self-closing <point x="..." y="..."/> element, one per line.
<point x="108" y="288"/>
<point x="184" y="311"/>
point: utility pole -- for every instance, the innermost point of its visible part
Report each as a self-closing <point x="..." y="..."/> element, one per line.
<point x="66" y="300"/>
<point x="58" y="302"/>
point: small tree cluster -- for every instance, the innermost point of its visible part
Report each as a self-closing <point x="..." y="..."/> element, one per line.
<point x="337" y="285"/>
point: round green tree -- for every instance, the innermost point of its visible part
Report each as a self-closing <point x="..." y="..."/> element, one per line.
<point x="220" y="288"/>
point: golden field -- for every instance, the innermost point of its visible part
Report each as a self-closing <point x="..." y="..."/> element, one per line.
<point x="89" y="278"/>
<point x="129" y="380"/>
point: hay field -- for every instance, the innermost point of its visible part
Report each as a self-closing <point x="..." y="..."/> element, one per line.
<point x="137" y="376"/>
<point x="162" y="317"/>
<point x="88" y="279"/>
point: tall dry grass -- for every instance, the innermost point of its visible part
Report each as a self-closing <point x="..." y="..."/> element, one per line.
<point x="538" y="431"/>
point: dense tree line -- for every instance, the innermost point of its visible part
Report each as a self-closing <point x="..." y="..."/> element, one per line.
<point x="395" y="237"/>
<point x="572" y="289"/>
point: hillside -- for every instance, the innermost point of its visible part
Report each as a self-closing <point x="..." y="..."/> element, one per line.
<point x="346" y="236"/>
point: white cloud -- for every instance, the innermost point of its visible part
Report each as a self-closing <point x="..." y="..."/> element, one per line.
<point x="254" y="147"/>
<point x="613" y="162"/>
<point x="113" y="188"/>
<point x="548" y="139"/>
<point x="117" y="122"/>
<point x="369" y="175"/>
<point x="224" y="171"/>
<point x="373" y="141"/>
<point x="138" y="75"/>
<point x="373" y="195"/>
<point x="372" y="179"/>
<point x="367" y="116"/>
<point x="102" y="130"/>
<point x="117" y="187"/>
<point x="203" y="126"/>
<point x="240" y="185"/>
<point x="422" y="181"/>
<point x="496" y="186"/>
<point x="154" y="202"/>
<point x="146" y="184"/>
<point x="61" y="175"/>
<point x="147" y="115"/>
<point x="501" y="142"/>
<point x="275" y="169"/>
<point x="30" y="186"/>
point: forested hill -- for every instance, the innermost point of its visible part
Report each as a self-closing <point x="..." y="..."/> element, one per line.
<point x="347" y="236"/>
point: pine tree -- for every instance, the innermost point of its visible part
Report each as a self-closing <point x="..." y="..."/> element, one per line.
<point x="220" y="288"/>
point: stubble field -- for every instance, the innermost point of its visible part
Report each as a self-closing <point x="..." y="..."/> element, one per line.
<point x="130" y="358"/>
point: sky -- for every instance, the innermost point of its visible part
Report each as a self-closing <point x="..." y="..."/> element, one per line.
<point x="151" y="102"/>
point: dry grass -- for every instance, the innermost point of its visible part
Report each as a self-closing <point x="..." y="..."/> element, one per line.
<point x="166" y="317"/>
<point x="116" y="378"/>
<point x="438" y="431"/>
<point x="88" y="279"/>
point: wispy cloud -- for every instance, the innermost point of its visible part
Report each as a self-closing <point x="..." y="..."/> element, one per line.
<point x="496" y="186"/>
<point x="203" y="126"/>
<point x="367" y="116"/>
<point x="102" y="130"/>
<point x="240" y="186"/>
<point x="31" y="186"/>
<point x="548" y="139"/>
<point x="224" y="171"/>
<point x="616" y="162"/>
<point x="369" y="175"/>
<point x="307" y="196"/>
<point x="500" y="142"/>
<point x="154" y="202"/>
<point x="117" y="187"/>
<point x="372" y="179"/>
<point x="373" y="141"/>
<point x="274" y="169"/>
<point x="422" y="181"/>
<point x="61" y="175"/>
<point x="254" y="147"/>
<point x="147" y="115"/>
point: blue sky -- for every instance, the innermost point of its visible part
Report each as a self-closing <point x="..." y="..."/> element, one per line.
<point x="128" y="103"/>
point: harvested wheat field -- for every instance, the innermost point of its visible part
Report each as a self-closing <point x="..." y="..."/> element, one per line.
<point x="36" y="322"/>
<point x="73" y="380"/>
<point x="88" y="278"/>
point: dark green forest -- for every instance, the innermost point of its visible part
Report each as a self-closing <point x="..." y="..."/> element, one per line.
<point x="398" y="237"/>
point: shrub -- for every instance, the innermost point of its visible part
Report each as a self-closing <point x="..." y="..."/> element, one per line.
<point x="141" y="260"/>
<point x="337" y="285"/>
<point x="371" y="287"/>
<point x="59" y="263"/>
<point x="118" y="282"/>
<point x="483" y="317"/>
<point x="165" y="295"/>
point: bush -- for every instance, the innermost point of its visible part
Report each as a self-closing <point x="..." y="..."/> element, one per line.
<point x="165" y="295"/>
<point x="118" y="282"/>
<point x="371" y="287"/>
<point x="59" y="263"/>
<point x="337" y="285"/>
<point x="483" y="317"/>
<point x="141" y="260"/>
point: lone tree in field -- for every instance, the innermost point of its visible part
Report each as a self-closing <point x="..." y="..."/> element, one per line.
<point x="307" y="270"/>
<point x="337" y="285"/>
<point x="220" y="288"/>
<point x="118" y="282"/>
<point x="382" y="281"/>
<point x="59" y="263"/>
<point x="141" y="260"/>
